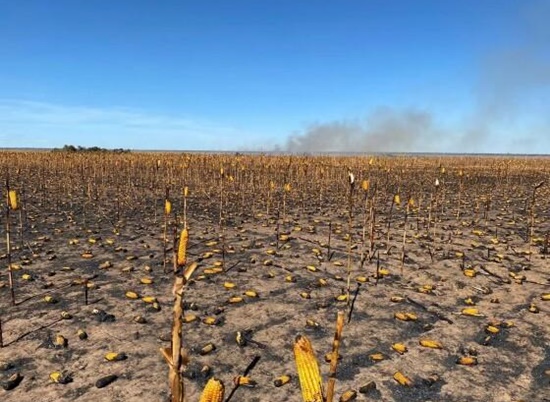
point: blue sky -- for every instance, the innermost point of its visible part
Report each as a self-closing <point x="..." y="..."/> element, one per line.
<point x="364" y="75"/>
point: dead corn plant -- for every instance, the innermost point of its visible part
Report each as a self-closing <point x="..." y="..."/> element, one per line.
<point x="307" y="366"/>
<point x="12" y="204"/>
<point x="175" y="355"/>
<point x="351" y="181"/>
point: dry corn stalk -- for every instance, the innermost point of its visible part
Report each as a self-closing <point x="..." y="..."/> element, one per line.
<point x="213" y="391"/>
<point x="185" y="195"/>
<point x="351" y="178"/>
<point x="175" y="355"/>
<point x="334" y="357"/>
<point x="308" y="370"/>
<point x="11" y="201"/>
<point x="167" y="211"/>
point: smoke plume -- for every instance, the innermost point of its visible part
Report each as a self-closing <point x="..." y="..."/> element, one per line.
<point x="509" y="107"/>
<point x="385" y="130"/>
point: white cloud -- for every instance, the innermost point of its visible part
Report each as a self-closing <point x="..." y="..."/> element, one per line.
<point x="37" y="124"/>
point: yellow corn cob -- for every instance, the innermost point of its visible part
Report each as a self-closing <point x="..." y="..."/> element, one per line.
<point x="149" y="299"/>
<point x="471" y="311"/>
<point x="349" y="395"/>
<point x="182" y="249"/>
<point x="467" y="360"/>
<point x="185" y="191"/>
<point x="430" y="343"/>
<point x="210" y="320"/>
<point x="365" y="185"/>
<point x="406" y="316"/>
<point x="13" y="200"/>
<point x="213" y="391"/>
<point x="115" y="357"/>
<point x="282" y="380"/>
<point x="243" y="381"/>
<point x="235" y="299"/>
<point x="60" y="341"/>
<point x="189" y="318"/>
<point x="402" y="379"/>
<point x="342" y="298"/>
<point x="167" y="207"/>
<point x="399" y="348"/>
<point x="56" y="376"/>
<point x="397" y="199"/>
<point x="131" y="295"/>
<point x="376" y="357"/>
<point x="308" y="370"/>
<point x="146" y="280"/>
<point x="469" y="272"/>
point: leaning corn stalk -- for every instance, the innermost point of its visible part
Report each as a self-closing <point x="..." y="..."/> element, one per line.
<point x="213" y="391"/>
<point x="308" y="370"/>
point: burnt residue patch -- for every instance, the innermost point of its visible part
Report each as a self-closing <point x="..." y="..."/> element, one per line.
<point x="498" y="340"/>
<point x="76" y="393"/>
<point x="422" y="389"/>
<point x="541" y="373"/>
<point x="351" y="364"/>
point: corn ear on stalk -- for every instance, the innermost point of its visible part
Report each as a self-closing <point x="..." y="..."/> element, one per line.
<point x="13" y="199"/>
<point x="182" y="248"/>
<point x="213" y="391"/>
<point x="308" y="370"/>
<point x="167" y="207"/>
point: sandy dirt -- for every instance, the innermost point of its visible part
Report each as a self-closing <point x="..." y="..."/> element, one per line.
<point x="510" y="275"/>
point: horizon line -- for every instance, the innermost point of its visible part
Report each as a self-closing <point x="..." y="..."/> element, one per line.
<point x="290" y="153"/>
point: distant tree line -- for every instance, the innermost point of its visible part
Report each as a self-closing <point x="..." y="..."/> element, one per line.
<point x="80" y="149"/>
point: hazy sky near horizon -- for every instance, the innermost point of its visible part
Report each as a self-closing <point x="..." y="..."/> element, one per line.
<point x="354" y="75"/>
